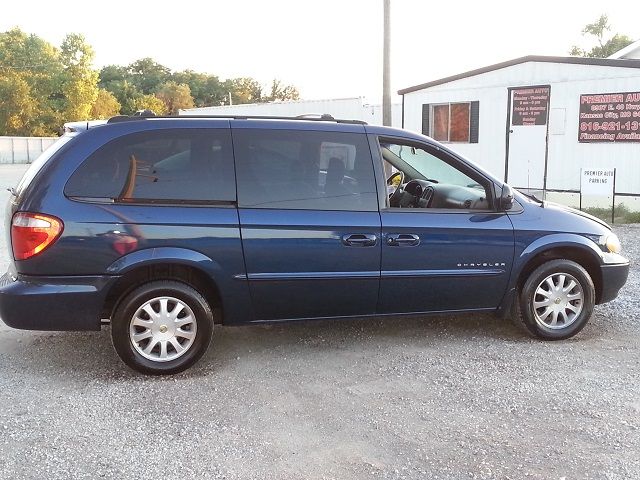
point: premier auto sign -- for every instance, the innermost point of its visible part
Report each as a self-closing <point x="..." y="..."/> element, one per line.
<point x="610" y="117"/>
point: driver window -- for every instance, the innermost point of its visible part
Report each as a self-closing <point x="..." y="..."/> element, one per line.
<point x="419" y="178"/>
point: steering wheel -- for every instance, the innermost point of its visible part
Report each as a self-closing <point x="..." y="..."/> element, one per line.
<point x="394" y="197"/>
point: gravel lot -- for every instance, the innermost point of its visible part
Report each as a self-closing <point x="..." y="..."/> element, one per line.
<point x="436" y="397"/>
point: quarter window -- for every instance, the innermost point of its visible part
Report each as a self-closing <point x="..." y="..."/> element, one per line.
<point x="162" y="166"/>
<point x="304" y="170"/>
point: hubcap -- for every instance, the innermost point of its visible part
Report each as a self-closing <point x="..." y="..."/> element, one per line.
<point x="163" y="329"/>
<point x="558" y="301"/>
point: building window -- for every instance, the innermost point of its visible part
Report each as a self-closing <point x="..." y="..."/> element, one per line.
<point x="451" y="122"/>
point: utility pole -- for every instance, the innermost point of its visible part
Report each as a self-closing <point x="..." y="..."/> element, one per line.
<point x="386" y="67"/>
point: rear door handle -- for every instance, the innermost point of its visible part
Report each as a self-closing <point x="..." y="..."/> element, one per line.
<point x="403" y="240"/>
<point x="359" y="240"/>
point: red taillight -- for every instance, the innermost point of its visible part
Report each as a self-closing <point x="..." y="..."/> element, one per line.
<point x="31" y="233"/>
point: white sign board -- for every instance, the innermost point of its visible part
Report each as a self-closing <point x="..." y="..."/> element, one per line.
<point x="594" y="181"/>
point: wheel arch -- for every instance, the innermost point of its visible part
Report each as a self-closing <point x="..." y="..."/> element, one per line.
<point x="182" y="265"/>
<point x="570" y="247"/>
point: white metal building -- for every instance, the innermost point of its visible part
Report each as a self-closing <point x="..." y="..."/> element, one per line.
<point x="353" y="108"/>
<point x="537" y="121"/>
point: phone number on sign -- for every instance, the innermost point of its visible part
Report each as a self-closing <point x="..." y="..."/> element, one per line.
<point x="610" y="126"/>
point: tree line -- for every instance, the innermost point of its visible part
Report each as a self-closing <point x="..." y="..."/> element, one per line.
<point x="43" y="86"/>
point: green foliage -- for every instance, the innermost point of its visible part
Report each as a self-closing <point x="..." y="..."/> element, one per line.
<point x="79" y="80"/>
<point x="622" y="213"/>
<point x="206" y="90"/>
<point x="105" y="106"/>
<point x="147" y="75"/>
<point x="18" y="106"/>
<point x="42" y="86"/>
<point x="149" y="102"/>
<point x="243" y="90"/>
<point x="604" y="48"/>
<point x="175" y="96"/>
<point x="280" y="92"/>
<point x="31" y="75"/>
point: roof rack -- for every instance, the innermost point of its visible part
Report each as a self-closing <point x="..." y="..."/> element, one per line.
<point x="307" y="117"/>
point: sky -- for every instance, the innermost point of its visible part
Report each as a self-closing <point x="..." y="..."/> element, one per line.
<point x="326" y="48"/>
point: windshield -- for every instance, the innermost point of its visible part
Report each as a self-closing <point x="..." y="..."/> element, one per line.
<point x="39" y="162"/>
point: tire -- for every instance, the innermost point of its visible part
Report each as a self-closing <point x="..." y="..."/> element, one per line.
<point x="181" y="327"/>
<point x="541" y="303"/>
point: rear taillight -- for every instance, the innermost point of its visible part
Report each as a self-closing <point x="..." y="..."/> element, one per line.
<point x="31" y="233"/>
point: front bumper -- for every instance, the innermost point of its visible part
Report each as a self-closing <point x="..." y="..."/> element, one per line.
<point x="53" y="303"/>
<point x="613" y="278"/>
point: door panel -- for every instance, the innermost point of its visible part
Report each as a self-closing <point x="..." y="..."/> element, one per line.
<point x="459" y="260"/>
<point x="300" y="264"/>
<point x="528" y="137"/>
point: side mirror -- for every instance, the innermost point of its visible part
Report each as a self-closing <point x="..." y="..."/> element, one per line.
<point x="506" y="198"/>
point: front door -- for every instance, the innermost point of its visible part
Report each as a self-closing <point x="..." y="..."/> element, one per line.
<point x="309" y="221"/>
<point x="527" y="137"/>
<point x="445" y="248"/>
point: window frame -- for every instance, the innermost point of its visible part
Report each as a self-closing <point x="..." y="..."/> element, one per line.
<point x="449" y="104"/>
<point x="366" y="144"/>
<point x="447" y="156"/>
<point x="159" y="201"/>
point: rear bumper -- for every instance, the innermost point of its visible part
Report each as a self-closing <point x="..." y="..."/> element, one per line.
<point x="614" y="277"/>
<point x="53" y="303"/>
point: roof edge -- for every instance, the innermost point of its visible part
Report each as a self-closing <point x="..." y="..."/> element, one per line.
<point x="605" y="62"/>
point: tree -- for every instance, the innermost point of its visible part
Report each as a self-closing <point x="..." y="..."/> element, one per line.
<point x="126" y="93"/>
<point x="149" y="102"/>
<point x="105" y="106"/>
<point x="147" y="75"/>
<point x="280" y="92"/>
<point x="17" y="106"/>
<point x="604" y="48"/>
<point x="80" y="81"/>
<point x="31" y="75"/>
<point x="206" y="90"/>
<point x="175" y="96"/>
<point x="243" y="90"/>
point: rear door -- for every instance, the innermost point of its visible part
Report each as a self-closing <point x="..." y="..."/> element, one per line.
<point x="309" y="220"/>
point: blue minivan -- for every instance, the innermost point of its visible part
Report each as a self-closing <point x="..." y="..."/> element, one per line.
<point x="163" y="227"/>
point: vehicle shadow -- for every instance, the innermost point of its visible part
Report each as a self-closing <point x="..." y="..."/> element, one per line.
<point x="90" y="354"/>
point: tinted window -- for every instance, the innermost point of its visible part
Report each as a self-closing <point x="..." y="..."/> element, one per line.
<point x="159" y="165"/>
<point x="304" y="170"/>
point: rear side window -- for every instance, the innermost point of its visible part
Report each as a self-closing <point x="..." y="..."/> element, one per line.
<point x="40" y="162"/>
<point x="304" y="170"/>
<point x="182" y="165"/>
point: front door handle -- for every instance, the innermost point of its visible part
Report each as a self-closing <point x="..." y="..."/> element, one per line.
<point x="359" y="240"/>
<point x="403" y="240"/>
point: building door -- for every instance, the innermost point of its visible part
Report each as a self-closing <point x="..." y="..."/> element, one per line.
<point x="527" y="137"/>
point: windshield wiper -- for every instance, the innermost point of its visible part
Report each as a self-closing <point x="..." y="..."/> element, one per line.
<point x="12" y="191"/>
<point x="532" y="197"/>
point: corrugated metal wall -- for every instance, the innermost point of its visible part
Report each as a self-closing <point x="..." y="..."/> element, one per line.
<point x="347" y="108"/>
<point x="23" y="149"/>
<point x="566" y="155"/>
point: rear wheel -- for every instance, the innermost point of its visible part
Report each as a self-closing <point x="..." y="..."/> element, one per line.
<point x="556" y="301"/>
<point x="162" y="328"/>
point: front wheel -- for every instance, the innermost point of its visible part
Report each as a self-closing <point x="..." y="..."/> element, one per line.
<point x="162" y="328"/>
<point x="556" y="301"/>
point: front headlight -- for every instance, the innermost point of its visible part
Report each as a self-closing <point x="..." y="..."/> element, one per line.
<point x="611" y="242"/>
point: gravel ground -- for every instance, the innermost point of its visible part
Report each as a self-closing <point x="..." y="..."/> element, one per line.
<point x="437" y="397"/>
